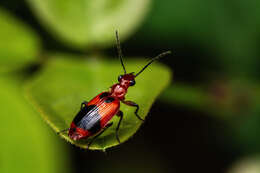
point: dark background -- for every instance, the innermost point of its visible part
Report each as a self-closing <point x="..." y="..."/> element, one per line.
<point x="210" y="49"/>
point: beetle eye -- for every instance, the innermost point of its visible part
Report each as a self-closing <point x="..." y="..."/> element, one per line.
<point x="132" y="82"/>
<point x="120" y="77"/>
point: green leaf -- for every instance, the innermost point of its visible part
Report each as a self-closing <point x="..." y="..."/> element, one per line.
<point x="66" y="82"/>
<point x="90" y="22"/>
<point x="19" y="45"/>
<point x="27" y="144"/>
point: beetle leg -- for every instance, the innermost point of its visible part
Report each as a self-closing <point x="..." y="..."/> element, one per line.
<point x="130" y="103"/>
<point x="83" y="104"/>
<point x="120" y="114"/>
<point x="95" y="137"/>
<point x="62" y="131"/>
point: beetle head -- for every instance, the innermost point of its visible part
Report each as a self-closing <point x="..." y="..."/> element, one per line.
<point x="127" y="80"/>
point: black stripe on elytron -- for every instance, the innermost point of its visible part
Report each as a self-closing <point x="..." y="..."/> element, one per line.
<point x="89" y="119"/>
<point x="105" y="94"/>
<point x="95" y="127"/>
<point x="82" y="113"/>
<point x="109" y="99"/>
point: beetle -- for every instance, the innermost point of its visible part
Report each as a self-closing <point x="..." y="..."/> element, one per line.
<point x="94" y="116"/>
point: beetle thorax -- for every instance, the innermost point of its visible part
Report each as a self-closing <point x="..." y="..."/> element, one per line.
<point x="118" y="91"/>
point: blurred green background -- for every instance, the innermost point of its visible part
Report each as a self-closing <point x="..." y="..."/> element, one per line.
<point x="206" y="120"/>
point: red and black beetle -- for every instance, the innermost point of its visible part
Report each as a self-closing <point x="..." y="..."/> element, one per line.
<point x="94" y="116"/>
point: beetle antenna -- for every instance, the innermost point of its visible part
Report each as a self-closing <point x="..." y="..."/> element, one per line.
<point x="62" y="131"/>
<point x="155" y="58"/>
<point x="119" y="51"/>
